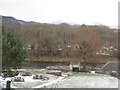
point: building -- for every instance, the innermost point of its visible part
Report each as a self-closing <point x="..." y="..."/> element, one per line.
<point x="75" y="66"/>
<point x="111" y="66"/>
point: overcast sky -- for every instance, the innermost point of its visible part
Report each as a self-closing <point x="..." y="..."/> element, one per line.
<point x="71" y="11"/>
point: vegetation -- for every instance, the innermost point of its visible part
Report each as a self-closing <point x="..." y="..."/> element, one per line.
<point x="46" y="42"/>
<point x="12" y="51"/>
<point x="58" y="59"/>
<point x="85" y="74"/>
<point x="9" y="73"/>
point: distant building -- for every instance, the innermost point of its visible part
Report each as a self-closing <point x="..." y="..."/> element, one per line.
<point x="75" y="66"/>
<point x="29" y="48"/>
<point x="69" y="46"/>
<point x="107" y="51"/>
<point x="111" y="66"/>
<point x="60" y="49"/>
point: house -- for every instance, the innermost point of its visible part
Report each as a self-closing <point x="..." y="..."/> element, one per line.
<point x="111" y="66"/>
<point x="75" y="66"/>
<point x="29" y="48"/>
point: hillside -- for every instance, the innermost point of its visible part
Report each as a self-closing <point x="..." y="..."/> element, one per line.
<point x="54" y="40"/>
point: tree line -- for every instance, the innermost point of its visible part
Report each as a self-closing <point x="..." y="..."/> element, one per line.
<point x="63" y="40"/>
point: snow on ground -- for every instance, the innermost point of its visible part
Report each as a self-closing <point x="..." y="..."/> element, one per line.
<point x="75" y="81"/>
<point x="49" y="83"/>
<point x="99" y="81"/>
<point x="29" y="82"/>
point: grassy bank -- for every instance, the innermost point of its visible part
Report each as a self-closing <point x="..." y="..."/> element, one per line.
<point x="60" y="59"/>
<point x="53" y="59"/>
<point x="84" y="74"/>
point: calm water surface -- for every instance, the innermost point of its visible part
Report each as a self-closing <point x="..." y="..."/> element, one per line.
<point x="38" y="64"/>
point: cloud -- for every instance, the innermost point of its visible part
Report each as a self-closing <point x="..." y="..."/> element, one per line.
<point x="78" y="11"/>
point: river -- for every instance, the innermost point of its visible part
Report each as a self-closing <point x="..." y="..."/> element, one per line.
<point x="41" y="65"/>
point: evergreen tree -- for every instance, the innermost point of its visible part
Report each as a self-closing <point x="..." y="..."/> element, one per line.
<point x="12" y="51"/>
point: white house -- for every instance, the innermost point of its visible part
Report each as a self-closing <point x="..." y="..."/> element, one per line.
<point x="75" y="66"/>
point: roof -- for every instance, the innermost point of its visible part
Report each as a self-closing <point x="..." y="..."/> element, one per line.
<point x="112" y="66"/>
<point x="75" y="63"/>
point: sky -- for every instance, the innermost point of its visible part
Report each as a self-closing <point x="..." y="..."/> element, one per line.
<point x="88" y="12"/>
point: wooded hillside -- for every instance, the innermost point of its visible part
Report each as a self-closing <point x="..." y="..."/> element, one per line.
<point x="63" y="40"/>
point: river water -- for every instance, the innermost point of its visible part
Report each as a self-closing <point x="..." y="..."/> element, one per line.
<point x="41" y="65"/>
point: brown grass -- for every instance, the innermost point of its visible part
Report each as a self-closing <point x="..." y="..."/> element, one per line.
<point x="60" y="59"/>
